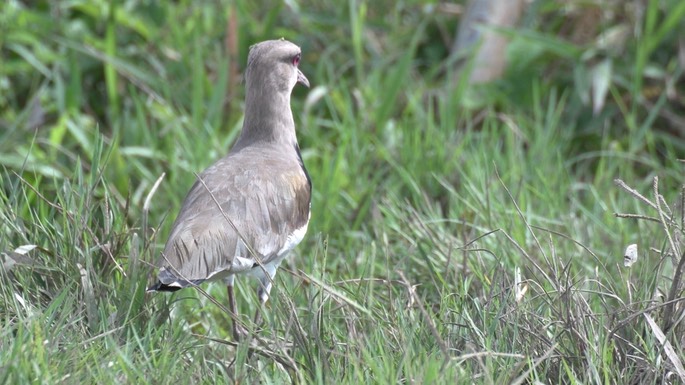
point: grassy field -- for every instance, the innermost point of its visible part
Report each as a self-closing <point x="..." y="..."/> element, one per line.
<point x="460" y="234"/>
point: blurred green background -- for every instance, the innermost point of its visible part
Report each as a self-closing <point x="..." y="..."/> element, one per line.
<point x="460" y="232"/>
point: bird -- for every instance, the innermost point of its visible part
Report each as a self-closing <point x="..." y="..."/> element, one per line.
<point x="248" y="210"/>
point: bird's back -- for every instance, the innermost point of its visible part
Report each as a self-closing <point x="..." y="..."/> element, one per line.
<point x="256" y="198"/>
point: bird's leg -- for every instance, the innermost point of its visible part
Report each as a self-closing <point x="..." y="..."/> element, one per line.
<point x="263" y="294"/>
<point x="234" y="311"/>
<point x="265" y="283"/>
<point x="236" y="329"/>
<point x="258" y="317"/>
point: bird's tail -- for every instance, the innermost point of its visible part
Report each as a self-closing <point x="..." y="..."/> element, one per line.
<point x="159" y="286"/>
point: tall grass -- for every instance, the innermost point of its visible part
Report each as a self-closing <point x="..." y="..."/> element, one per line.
<point x="458" y="235"/>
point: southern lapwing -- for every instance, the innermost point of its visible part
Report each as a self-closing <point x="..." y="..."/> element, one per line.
<point x="247" y="211"/>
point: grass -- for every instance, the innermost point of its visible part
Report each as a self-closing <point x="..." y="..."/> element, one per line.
<point x="459" y="234"/>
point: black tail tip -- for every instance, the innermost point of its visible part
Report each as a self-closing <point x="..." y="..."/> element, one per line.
<point x="159" y="286"/>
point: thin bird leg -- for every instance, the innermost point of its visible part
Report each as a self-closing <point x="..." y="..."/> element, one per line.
<point x="263" y="295"/>
<point x="258" y="317"/>
<point x="265" y="281"/>
<point x="237" y="330"/>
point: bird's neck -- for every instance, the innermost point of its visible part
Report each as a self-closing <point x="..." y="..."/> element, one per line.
<point x="268" y="119"/>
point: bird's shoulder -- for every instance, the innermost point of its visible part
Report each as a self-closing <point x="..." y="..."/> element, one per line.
<point x="254" y="170"/>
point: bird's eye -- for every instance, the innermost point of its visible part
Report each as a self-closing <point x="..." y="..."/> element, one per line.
<point x="296" y="60"/>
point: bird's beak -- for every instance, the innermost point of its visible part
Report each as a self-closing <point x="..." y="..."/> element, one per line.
<point x="302" y="79"/>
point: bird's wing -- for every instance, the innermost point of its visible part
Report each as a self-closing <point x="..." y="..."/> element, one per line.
<point x="269" y="209"/>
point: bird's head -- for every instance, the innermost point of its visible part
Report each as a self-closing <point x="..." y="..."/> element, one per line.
<point x="272" y="65"/>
